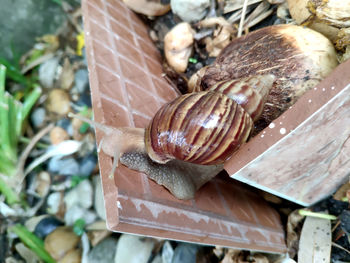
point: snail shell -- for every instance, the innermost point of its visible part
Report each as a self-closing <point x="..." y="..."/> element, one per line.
<point x="207" y="127"/>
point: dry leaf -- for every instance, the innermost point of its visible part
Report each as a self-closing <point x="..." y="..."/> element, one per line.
<point x="67" y="75"/>
<point x="293" y="232"/>
<point x="315" y="241"/>
<point x="231" y="256"/>
<point x="342" y="192"/>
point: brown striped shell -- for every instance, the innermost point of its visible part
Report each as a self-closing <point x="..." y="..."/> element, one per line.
<point x="201" y="128"/>
<point x="250" y="92"/>
<point x="207" y="127"/>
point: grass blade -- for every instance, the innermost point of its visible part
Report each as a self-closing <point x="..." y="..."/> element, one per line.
<point x="13" y="72"/>
<point x="4" y="118"/>
<point x="33" y="242"/>
<point x="10" y="195"/>
<point x="30" y="100"/>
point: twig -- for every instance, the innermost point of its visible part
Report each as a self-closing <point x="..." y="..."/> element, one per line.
<point x="318" y="215"/>
<point x="37" y="62"/>
<point x="22" y="159"/>
<point x="241" y="22"/>
<point x="340" y="247"/>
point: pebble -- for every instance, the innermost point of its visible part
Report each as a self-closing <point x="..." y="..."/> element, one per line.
<point x="77" y="212"/>
<point x="157" y="259"/>
<point x="103" y="252"/>
<point x="84" y="100"/>
<point x="76" y="124"/>
<point x="87" y="165"/>
<point x="42" y="183"/>
<point x="81" y="80"/>
<point x="98" y="200"/>
<point x="67" y="166"/>
<point x="128" y="244"/>
<point x="47" y="72"/>
<point x="46" y="226"/>
<point x="27" y="254"/>
<point x="148" y="8"/>
<point x="38" y="117"/>
<point x="59" y="242"/>
<point x="73" y="256"/>
<point x="58" y="135"/>
<point x="178" y="46"/>
<point x="66" y="124"/>
<point x="58" y="102"/>
<point x="80" y="195"/>
<point x="167" y="252"/>
<point x="185" y="253"/>
<point x="54" y="202"/>
<point x="189" y="10"/>
<point x="67" y="75"/>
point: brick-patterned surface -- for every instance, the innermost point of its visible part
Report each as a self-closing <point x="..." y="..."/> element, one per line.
<point x="127" y="89"/>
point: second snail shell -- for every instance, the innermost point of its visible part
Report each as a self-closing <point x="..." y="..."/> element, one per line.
<point x="207" y="127"/>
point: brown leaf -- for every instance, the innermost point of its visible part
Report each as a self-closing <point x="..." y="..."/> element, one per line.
<point x="67" y="75"/>
<point x="231" y="256"/>
<point x="342" y="192"/>
<point x="293" y="232"/>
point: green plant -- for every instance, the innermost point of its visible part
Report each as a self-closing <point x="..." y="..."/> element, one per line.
<point x="13" y="114"/>
<point x="33" y="242"/>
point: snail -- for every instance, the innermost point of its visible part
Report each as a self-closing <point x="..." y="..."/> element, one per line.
<point x="189" y="138"/>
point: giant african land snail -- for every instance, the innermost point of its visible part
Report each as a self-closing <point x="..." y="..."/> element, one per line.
<point x="189" y="138"/>
<point x="210" y="134"/>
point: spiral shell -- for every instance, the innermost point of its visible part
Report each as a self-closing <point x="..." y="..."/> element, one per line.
<point x="250" y="92"/>
<point x="202" y="128"/>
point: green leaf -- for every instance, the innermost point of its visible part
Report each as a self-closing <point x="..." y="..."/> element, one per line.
<point x="13" y="72"/>
<point x="78" y="227"/>
<point x="32" y="242"/>
<point x="11" y="196"/>
<point x="30" y="100"/>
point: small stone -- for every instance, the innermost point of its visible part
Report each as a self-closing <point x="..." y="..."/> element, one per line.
<point x="98" y="200"/>
<point x="66" y="124"/>
<point x="76" y="124"/>
<point x="38" y="117"/>
<point x="46" y="226"/>
<point x="58" y="135"/>
<point x="178" y="46"/>
<point x="77" y="212"/>
<point x="73" y="256"/>
<point x="27" y="254"/>
<point x="185" y="253"/>
<point x="80" y="195"/>
<point x="67" y="75"/>
<point x="189" y="10"/>
<point x="81" y="80"/>
<point x="157" y="259"/>
<point x="148" y="8"/>
<point x="58" y="102"/>
<point x="167" y="252"/>
<point x="87" y="165"/>
<point x="54" y="202"/>
<point x="47" y="72"/>
<point x="42" y="183"/>
<point x="103" y="252"/>
<point x="84" y="100"/>
<point x="59" y="242"/>
<point x="128" y="244"/>
<point x="68" y="166"/>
